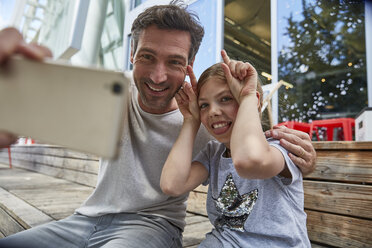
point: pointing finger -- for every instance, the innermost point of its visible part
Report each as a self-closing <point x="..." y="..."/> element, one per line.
<point x="225" y="57"/>
<point x="227" y="72"/>
<point x="192" y="77"/>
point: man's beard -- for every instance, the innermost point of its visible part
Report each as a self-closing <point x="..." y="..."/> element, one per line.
<point x="153" y="102"/>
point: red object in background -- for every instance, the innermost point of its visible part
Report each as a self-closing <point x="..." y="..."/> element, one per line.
<point x="31" y="141"/>
<point x="10" y="158"/>
<point x="346" y="124"/>
<point x="301" y="126"/>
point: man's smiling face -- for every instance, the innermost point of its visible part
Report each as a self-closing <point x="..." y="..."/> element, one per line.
<point x="159" y="70"/>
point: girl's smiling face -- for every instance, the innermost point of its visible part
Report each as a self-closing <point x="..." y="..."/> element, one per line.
<point x="218" y="109"/>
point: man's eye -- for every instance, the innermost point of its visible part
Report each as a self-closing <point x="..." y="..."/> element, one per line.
<point x="226" y="99"/>
<point x="176" y="62"/>
<point x="146" y="56"/>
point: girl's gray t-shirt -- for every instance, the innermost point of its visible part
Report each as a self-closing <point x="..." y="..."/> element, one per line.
<point x="253" y="212"/>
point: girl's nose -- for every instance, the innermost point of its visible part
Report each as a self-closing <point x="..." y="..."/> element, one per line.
<point x="214" y="110"/>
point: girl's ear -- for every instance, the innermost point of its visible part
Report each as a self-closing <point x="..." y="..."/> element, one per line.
<point x="258" y="101"/>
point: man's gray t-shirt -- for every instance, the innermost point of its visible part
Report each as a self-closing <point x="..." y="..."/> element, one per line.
<point x="131" y="183"/>
<point x="253" y="212"/>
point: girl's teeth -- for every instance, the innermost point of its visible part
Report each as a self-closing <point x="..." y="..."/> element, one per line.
<point x="219" y="125"/>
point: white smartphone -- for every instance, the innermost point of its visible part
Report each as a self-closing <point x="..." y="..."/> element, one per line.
<point x="75" y="107"/>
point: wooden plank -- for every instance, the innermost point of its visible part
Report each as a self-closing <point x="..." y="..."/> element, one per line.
<point x="337" y="230"/>
<point x="195" y="233"/>
<point x="89" y="166"/>
<point x="54" y="201"/>
<point x="55" y="197"/>
<point x="197" y="203"/>
<point x="339" y="198"/>
<point x="351" y="166"/>
<point x="201" y="188"/>
<point x="15" y="178"/>
<point x="196" y="228"/>
<point x="8" y="225"/>
<point x="194" y="219"/>
<point x="25" y="214"/>
<point x="319" y="246"/>
<point x="342" y="145"/>
<point x="84" y="165"/>
<point x="50" y="150"/>
<point x="191" y="246"/>
<point x="74" y="176"/>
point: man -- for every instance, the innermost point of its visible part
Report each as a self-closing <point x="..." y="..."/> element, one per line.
<point x="128" y="208"/>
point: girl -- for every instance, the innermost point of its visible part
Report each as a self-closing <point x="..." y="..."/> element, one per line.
<point x="255" y="194"/>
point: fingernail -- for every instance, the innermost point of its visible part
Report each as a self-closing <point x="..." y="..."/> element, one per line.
<point x="274" y="133"/>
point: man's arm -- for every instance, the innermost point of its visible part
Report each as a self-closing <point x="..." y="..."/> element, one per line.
<point x="11" y="42"/>
<point x="298" y="143"/>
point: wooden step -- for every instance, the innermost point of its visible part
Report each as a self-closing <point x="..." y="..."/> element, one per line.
<point x="28" y="198"/>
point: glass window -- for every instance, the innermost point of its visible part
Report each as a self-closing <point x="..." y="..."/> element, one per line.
<point x="135" y="3"/>
<point x="247" y="35"/>
<point x="111" y="52"/>
<point x="322" y="52"/>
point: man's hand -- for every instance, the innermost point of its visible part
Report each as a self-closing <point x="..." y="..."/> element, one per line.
<point x="298" y="143"/>
<point x="11" y="42"/>
<point x="6" y="139"/>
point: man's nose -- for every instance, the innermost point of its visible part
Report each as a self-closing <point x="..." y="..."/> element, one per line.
<point x="159" y="73"/>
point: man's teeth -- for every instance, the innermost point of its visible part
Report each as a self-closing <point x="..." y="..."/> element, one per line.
<point x="219" y="125"/>
<point x="154" y="89"/>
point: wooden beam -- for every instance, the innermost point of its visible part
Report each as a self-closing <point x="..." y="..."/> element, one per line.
<point x="339" y="198"/>
<point x="25" y="214"/>
<point x="343" y="165"/>
<point x="338" y="231"/>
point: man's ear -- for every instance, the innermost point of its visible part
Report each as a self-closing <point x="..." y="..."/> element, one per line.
<point x="191" y="64"/>
<point x="131" y="53"/>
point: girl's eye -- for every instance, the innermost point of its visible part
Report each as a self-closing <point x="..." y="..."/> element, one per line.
<point x="203" y="105"/>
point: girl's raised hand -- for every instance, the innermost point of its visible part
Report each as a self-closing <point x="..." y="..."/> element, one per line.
<point x="186" y="97"/>
<point x="241" y="77"/>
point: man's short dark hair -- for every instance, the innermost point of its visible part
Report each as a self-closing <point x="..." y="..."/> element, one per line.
<point x="171" y="16"/>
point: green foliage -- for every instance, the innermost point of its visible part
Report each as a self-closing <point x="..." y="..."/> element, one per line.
<point x="327" y="45"/>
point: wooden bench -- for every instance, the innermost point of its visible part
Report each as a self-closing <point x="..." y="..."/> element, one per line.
<point x="338" y="195"/>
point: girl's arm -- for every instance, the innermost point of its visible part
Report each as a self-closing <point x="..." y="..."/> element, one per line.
<point x="179" y="175"/>
<point x="252" y="155"/>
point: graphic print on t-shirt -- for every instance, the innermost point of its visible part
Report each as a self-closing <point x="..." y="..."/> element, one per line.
<point x="234" y="208"/>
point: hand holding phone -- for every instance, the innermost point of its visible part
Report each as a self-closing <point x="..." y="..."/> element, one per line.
<point x="76" y="107"/>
